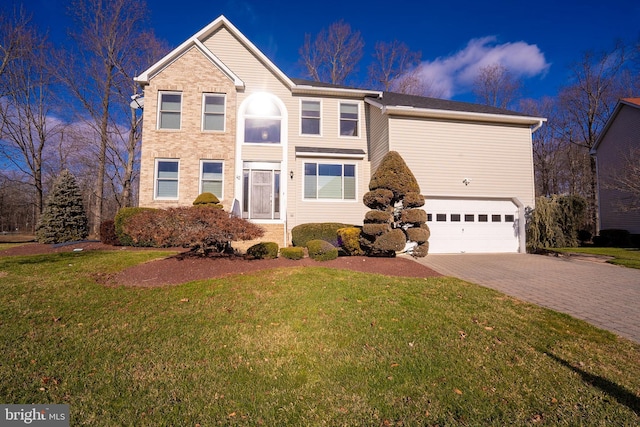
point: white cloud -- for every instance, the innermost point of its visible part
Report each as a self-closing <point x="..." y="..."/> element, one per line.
<point x="455" y="74"/>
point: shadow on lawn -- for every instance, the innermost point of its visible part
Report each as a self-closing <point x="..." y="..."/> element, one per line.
<point x="619" y="393"/>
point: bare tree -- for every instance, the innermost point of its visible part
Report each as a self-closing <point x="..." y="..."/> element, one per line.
<point x="496" y="86"/>
<point x="99" y="72"/>
<point x="15" y="37"/>
<point x="586" y="106"/>
<point x="391" y="62"/>
<point x="25" y="108"/>
<point x="413" y="82"/>
<point x="334" y="54"/>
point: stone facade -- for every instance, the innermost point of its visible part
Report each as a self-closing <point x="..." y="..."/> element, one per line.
<point x="190" y="144"/>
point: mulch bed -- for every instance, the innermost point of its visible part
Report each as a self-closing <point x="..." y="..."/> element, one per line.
<point x="180" y="269"/>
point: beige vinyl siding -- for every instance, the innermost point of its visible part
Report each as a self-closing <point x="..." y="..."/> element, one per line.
<point x="379" y="127"/>
<point x="255" y="152"/>
<point x="441" y="154"/>
<point x="621" y="137"/>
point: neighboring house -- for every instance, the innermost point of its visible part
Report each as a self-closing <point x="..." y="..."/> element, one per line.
<point x="617" y="146"/>
<point x="221" y="117"/>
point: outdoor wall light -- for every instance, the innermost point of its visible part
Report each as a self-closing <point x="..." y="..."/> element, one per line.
<point x="291" y="174"/>
<point x="466" y="181"/>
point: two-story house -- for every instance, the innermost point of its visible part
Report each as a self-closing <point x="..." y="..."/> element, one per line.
<point x="219" y="116"/>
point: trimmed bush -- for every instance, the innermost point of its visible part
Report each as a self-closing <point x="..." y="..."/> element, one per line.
<point x="413" y="216"/>
<point x="413" y="200"/>
<point x="394" y="174"/>
<point x="349" y="240"/>
<point x="422" y="250"/>
<point x="375" y="229"/>
<point x="378" y="199"/>
<point x="264" y="250"/>
<point x="327" y="231"/>
<point x="393" y="241"/>
<point x="321" y="250"/>
<point x="108" y="233"/>
<point x="121" y="219"/>
<point x="378" y="217"/>
<point x="292" y="252"/>
<point x="418" y="234"/>
<point x="208" y="199"/>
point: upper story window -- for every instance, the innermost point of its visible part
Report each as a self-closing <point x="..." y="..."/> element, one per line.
<point x="169" y="110"/>
<point x="262" y="121"/>
<point x="211" y="177"/>
<point x="213" y="111"/>
<point x="310" y="117"/>
<point x="167" y="178"/>
<point x="329" y="181"/>
<point x="348" y="119"/>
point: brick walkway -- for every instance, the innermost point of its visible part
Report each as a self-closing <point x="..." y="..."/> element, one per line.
<point x="604" y="295"/>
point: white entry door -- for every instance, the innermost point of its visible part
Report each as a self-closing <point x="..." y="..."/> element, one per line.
<point x="472" y="226"/>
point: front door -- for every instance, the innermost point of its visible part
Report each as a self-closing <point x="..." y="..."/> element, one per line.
<point x="261" y="194"/>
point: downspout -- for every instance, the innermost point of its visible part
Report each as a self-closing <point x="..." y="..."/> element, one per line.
<point x="537" y="126"/>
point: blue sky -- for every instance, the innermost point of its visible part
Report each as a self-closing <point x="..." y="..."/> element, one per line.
<point x="536" y="40"/>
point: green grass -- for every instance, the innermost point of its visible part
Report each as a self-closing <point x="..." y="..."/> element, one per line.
<point x="625" y="257"/>
<point x="302" y="346"/>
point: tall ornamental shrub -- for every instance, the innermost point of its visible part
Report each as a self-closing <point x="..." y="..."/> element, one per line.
<point x="396" y="221"/>
<point x="555" y="222"/>
<point x="64" y="218"/>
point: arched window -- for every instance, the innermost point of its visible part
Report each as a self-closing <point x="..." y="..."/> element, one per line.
<point x="262" y="121"/>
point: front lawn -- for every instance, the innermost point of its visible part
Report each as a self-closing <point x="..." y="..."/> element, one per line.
<point x="626" y="257"/>
<point x="300" y="347"/>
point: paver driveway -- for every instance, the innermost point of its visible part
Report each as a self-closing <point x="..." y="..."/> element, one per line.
<point x="604" y="295"/>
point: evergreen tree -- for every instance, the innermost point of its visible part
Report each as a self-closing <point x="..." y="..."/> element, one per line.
<point x="64" y="218"/>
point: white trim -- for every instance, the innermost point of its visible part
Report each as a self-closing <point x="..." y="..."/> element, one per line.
<point x="330" y="155"/>
<point x="311" y="135"/>
<point x="224" y="112"/>
<point x="330" y="200"/>
<point x="407" y="111"/>
<point x="168" y="92"/>
<point x="201" y="179"/>
<point x="358" y="123"/>
<point x="155" y="179"/>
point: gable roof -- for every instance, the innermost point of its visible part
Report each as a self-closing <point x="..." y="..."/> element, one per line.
<point x="398" y="104"/>
<point x="630" y="102"/>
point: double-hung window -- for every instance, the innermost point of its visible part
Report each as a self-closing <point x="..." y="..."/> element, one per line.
<point x="310" y="117"/>
<point x="348" y="119"/>
<point x="329" y="181"/>
<point x="262" y="123"/>
<point x="213" y="111"/>
<point x="170" y="108"/>
<point x="211" y="177"/>
<point x="167" y="178"/>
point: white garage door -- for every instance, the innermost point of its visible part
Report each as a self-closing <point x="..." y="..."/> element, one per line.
<point x="472" y="226"/>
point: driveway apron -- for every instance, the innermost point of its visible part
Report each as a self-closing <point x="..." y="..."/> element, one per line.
<point x="604" y="295"/>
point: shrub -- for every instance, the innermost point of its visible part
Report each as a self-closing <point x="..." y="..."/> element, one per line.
<point x="418" y="234"/>
<point x="375" y="229"/>
<point x="203" y="229"/>
<point x="349" y="240"/>
<point x="413" y="200"/>
<point x="121" y="219"/>
<point x="379" y="198"/>
<point x="108" y="233"/>
<point x="292" y="253"/>
<point x="327" y="231"/>
<point x="378" y="217"/>
<point x="63" y="218"/>
<point x="321" y="250"/>
<point x="394" y="174"/>
<point x="613" y="238"/>
<point x="208" y="199"/>
<point x="393" y="241"/>
<point x="555" y="222"/>
<point x="421" y="250"/>
<point x="413" y="216"/>
<point x="264" y="250"/>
